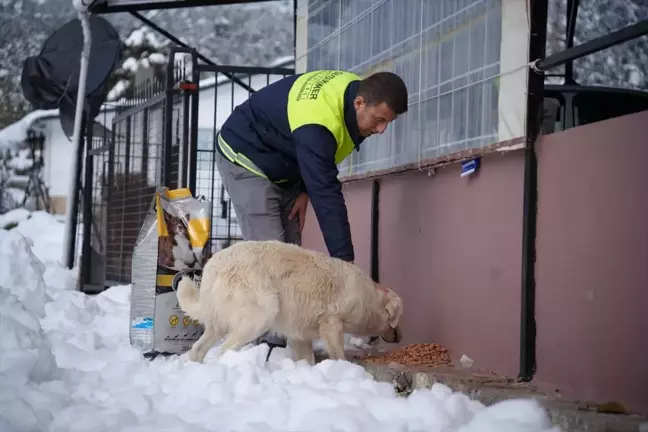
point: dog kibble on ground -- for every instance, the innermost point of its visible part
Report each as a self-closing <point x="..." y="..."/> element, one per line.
<point x="414" y="354"/>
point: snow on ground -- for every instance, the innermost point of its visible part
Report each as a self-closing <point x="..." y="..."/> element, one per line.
<point x="66" y="365"/>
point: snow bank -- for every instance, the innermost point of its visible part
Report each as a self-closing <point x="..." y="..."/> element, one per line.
<point x="46" y="231"/>
<point x="12" y="217"/>
<point x="101" y="383"/>
<point x="26" y="359"/>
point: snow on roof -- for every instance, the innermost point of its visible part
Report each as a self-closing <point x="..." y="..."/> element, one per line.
<point x="138" y="36"/>
<point x="16" y="133"/>
<point x="209" y="82"/>
<point x="203" y="84"/>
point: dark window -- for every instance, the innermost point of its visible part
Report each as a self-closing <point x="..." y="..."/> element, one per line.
<point x="590" y="107"/>
<point x="554" y="114"/>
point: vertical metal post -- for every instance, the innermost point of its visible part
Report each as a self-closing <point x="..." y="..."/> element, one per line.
<point x="145" y="144"/>
<point x="295" y="30"/>
<point x="127" y="160"/>
<point x="168" y="123"/>
<point x="109" y="182"/>
<point x="183" y="149"/>
<point x="74" y="214"/>
<point x="86" y="261"/>
<point x="193" y="147"/>
<point x="572" y="14"/>
<point x="537" y="48"/>
<point x="375" y="201"/>
<point x="123" y="194"/>
<point x="214" y="155"/>
<point x="110" y="205"/>
<point x="229" y="222"/>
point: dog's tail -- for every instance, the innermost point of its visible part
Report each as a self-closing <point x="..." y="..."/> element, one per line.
<point x="189" y="297"/>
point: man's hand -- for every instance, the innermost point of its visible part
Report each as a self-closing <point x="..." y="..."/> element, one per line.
<point x="299" y="210"/>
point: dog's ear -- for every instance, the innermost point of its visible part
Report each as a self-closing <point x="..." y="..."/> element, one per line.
<point x="394" y="308"/>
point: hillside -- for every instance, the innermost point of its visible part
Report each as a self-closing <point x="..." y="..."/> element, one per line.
<point x="247" y="34"/>
<point x="257" y="34"/>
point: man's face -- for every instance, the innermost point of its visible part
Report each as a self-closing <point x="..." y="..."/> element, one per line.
<point x="372" y="119"/>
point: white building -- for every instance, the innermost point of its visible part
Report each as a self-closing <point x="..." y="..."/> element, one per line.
<point x="58" y="149"/>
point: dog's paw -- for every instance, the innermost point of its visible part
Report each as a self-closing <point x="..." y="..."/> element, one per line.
<point x="193" y="356"/>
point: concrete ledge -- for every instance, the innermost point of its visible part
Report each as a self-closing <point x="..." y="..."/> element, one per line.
<point x="569" y="416"/>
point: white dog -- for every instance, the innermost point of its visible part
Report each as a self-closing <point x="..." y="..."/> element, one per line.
<point x="258" y="286"/>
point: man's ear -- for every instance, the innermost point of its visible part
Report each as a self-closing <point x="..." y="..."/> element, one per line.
<point x="358" y="102"/>
<point x="394" y="308"/>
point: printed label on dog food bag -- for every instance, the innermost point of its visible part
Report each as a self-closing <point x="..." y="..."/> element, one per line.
<point x="172" y="238"/>
<point x="174" y="332"/>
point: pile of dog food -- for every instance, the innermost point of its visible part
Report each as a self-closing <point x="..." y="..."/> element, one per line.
<point x="414" y="354"/>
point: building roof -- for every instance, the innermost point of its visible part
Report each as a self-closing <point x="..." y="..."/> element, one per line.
<point x="16" y="133"/>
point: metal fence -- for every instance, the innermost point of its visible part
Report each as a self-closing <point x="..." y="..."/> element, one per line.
<point x="221" y="89"/>
<point x="121" y="172"/>
<point x="164" y="135"/>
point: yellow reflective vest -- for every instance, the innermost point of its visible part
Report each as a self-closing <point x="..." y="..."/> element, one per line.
<point x="318" y="98"/>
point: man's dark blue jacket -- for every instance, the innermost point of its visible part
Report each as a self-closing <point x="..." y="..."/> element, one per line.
<point x="259" y="129"/>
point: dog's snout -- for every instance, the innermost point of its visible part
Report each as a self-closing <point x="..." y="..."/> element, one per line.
<point x="397" y="335"/>
<point x="393" y="335"/>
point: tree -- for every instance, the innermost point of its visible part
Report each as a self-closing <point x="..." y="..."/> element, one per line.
<point x="622" y="66"/>
<point x="142" y="49"/>
<point x="16" y="38"/>
<point x="259" y="34"/>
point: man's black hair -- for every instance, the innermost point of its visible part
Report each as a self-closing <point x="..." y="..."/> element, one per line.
<point x="384" y="87"/>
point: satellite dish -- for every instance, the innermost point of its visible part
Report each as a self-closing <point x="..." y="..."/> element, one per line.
<point x="50" y="80"/>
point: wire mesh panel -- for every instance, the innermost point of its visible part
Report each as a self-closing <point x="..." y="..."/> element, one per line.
<point x="448" y="54"/>
<point x="99" y="205"/>
<point x="117" y="215"/>
<point x="165" y="136"/>
<point x="137" y="170"/>
<point x="124" y="167"/>
<point x="136" y="162"/>
<point x="219" y="95"/>
<point x="91" y="229"/>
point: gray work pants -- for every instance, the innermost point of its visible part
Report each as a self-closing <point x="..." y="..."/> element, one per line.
<point x="262" y="210"/>
<point x="261" y="207"/>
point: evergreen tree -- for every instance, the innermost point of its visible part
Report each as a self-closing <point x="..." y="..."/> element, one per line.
<point x="142" y="49"/>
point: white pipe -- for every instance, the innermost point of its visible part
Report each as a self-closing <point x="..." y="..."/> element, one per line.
<point x="84" y="17"/>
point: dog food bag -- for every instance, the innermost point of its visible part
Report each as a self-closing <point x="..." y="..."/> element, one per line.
<point x="172" y="239"/>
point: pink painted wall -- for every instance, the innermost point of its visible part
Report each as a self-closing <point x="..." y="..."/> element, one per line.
<point x="592" y="261"/>
<point x="358" y="200"/>
<point x="451" y="247"/>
